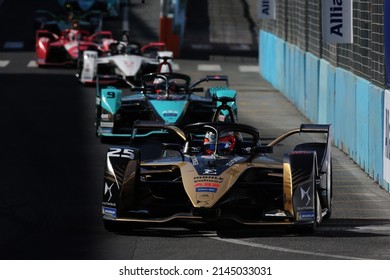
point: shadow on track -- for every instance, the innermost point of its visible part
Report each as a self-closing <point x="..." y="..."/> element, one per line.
<point x="334" y="228"/>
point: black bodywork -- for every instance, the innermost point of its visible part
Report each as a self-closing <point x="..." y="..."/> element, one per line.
<point x="247" y="185"/>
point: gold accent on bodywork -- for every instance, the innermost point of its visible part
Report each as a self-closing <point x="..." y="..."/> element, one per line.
<point x="223" y="183"/>
<point x="287" y="188"/>
<point x="178" y="132"/>
<point x="190" y="177"/>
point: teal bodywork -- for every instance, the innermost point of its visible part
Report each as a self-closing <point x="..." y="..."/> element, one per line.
<point x="219" y="92"/>
<point x="111" y="99"/>
<point x="169" y="110"/>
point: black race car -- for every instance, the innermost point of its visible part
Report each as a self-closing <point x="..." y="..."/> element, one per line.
<point x="217" y="171"/>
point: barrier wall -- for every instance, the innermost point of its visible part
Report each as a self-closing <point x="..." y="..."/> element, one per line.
<point x="311" y="87"/>
<point x="375" y="133"/>
<point x="345" y="122"/>
<point x="362" y="123"/>
<point x="328" y="94"/>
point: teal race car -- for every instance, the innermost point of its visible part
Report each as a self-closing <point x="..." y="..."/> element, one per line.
<point x="162" y="97"/>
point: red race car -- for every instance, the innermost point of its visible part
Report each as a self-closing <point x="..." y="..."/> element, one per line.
<point x="60" y="50"/>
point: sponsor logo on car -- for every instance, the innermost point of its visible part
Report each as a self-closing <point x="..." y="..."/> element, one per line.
<point x="105" y="116"/>
<point x="309" y="215"/>
<point x="305" y="195"/>
<point x="210" y="171"/>
<point x="202" y="199"/>
<point x="107" y="189"/>
<point x="170" y="113"/>
<point x="202" y="189"/>
<point x="109" y="211"/>
<point x="107" y="124"/>
<point x="194" y="160"/>
<point x="207" y="184"/>
<point x="213" y="179"/>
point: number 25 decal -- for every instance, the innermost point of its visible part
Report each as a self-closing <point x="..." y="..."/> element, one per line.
<point x="118" y="152"/>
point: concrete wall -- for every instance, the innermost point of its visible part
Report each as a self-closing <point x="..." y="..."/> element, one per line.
<point x="328" y="94"/>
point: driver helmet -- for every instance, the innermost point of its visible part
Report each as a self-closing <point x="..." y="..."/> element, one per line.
<point x="72" y="35"/>
<point x="121" y="48"/>
<point x="225" y="144"/>
<point x="209" y="142"/>
<point x="75" y="24"/>
<point x="159" y="85"/>
<point x="172" y="87"/>
<point x="113" y="48"/>
<point x="125" y="37"/>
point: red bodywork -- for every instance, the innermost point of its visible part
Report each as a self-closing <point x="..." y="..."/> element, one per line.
<point x="51" y="49"/>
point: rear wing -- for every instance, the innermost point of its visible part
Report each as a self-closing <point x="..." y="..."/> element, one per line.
<point x="322" y="148"/>
<point x="305" y="128"/>
<point x="100" y="35"/>
<point x="153" y="45"/>
<point x="208" y="78"/>
<point x="46" y="33"/>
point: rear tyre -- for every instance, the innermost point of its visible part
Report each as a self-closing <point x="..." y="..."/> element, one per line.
<point x="329" y="191"/>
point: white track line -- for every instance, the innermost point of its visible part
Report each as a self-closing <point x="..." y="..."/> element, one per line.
<point x="281" y="249"/>
<point x="176" y="67"/>
<point x="249" y="68"/>
<point x="32" y="64"/>
<point x="4" y="63"/>
<point x="209" y="67"/>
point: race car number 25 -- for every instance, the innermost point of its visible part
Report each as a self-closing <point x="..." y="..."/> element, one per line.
<point x="118" y="152"/>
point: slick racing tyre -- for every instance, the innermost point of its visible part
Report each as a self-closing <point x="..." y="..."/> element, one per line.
<point x="329" y="191"/>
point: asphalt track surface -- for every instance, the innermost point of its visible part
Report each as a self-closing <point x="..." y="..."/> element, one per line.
<point x="52" y="176"/>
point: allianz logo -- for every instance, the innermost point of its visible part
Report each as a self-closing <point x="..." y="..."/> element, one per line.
<point x="336" y="18"/>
